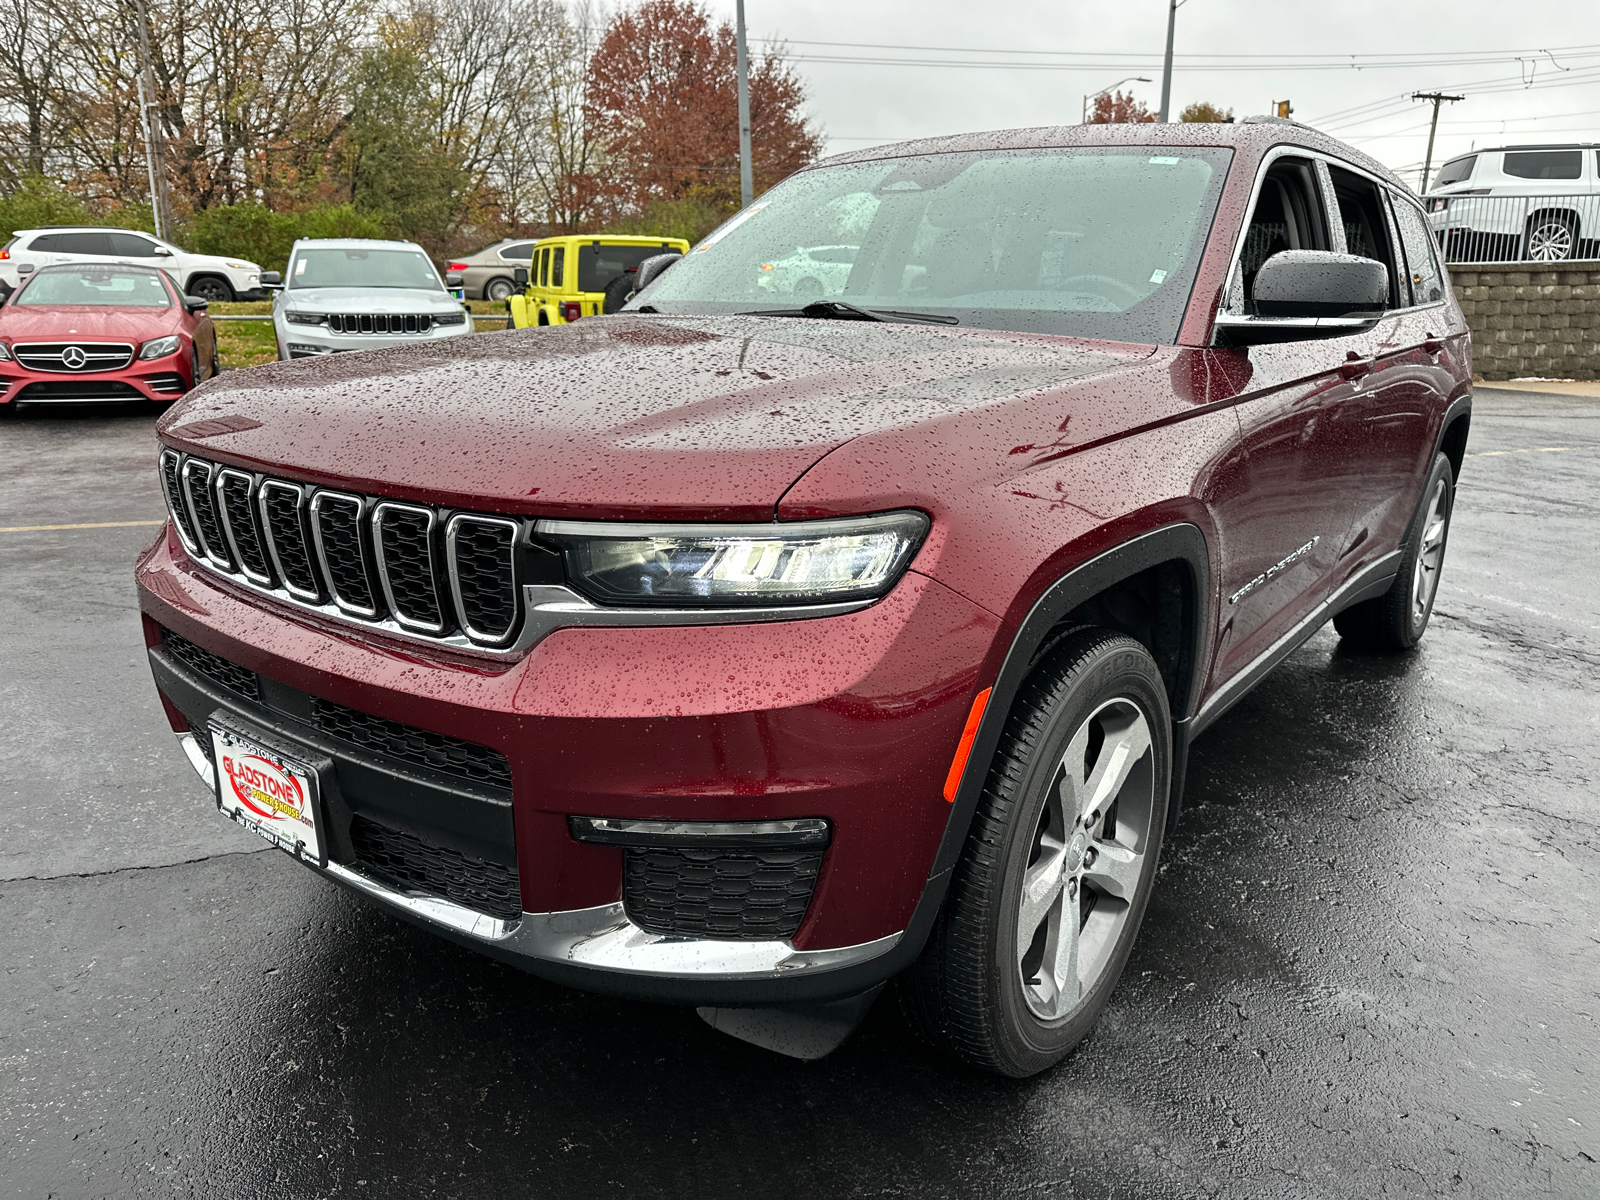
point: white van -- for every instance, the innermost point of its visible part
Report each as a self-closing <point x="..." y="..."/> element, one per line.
<point x="1515" y="203"/>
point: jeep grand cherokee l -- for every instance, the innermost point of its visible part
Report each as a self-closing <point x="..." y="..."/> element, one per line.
<point x="749" y="656"/>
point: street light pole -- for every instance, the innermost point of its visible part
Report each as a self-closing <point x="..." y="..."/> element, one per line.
<point x="1166" y="68"/>
<point x="160" y="205"/>
<point x="1104" y="90"/>
<point x="747" y="189"/>
<point x="1433" y="127"/>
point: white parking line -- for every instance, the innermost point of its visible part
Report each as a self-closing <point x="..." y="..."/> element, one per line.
<point x="92" y="525"/>
<point x="1534" y="450"/>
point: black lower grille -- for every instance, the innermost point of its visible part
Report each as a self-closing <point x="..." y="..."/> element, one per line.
<point x="86" y="389"/>
<point x="418" y="865"/>
<point x="744" y="895"/>
<point x="466" y="760"/>
<point x="219" y="670"/>
<point x="166" y="385"/>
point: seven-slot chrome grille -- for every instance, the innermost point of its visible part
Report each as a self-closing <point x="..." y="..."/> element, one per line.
<point x="384" y="323"/>
<point x="409" y="569"/>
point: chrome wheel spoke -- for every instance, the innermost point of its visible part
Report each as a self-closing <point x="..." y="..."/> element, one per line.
<point x="1041" y="893"/>
<point x="1114" y="870"/>
<point x="1126" y="742"/>
<point x="1059" y="971"/>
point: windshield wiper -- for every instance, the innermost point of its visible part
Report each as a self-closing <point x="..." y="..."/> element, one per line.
<point x="839" y="310"/>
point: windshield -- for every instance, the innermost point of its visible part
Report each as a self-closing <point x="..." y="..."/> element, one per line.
<point x="323" y="267"/>
<point x="1099" y="242"/>
<point x="100" y="286"/>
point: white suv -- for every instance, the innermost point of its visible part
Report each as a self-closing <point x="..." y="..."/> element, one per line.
<point x="1513" y="203"/>
<point x="204" y="275"/>
<point x="358" y="294"/>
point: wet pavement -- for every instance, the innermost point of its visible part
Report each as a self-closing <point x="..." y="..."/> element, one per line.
<point x="1370" y="968"/>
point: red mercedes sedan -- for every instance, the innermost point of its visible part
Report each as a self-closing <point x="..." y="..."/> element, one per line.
<point x="102" y="332"/>
<point x="752" y="651"/>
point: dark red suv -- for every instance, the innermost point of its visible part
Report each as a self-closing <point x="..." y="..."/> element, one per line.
<point x="750" y="650"/>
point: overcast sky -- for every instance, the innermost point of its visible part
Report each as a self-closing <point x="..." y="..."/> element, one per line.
<point x="1260" y="51"/>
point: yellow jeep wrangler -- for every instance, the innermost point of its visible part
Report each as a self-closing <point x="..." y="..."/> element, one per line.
<point x="568" y="276"/>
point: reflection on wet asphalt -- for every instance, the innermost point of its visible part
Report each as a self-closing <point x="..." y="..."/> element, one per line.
<point x="1370" y="969"/>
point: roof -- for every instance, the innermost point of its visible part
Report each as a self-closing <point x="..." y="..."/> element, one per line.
<point x="356" y="243"/>
<point x="1256" y="136"/>
<point x="1539" y="146"/>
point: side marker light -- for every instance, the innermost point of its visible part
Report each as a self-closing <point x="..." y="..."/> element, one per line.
<point x="952" y="781"/>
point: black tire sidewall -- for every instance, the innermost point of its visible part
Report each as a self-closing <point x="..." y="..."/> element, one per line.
<point x="1111" y="666"/>
<point x="1414" y="627"/>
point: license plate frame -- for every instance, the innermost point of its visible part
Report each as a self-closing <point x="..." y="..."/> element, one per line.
<point x="270" y="789"/>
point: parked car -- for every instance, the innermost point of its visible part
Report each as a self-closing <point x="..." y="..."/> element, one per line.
<point x="207" y="276"/>
<point x="359" y="294"/>
<point x="568" y="276"/>
<point x="102" y="331"/>
<point x="810" y="272"/>
<point x="1513" y="203"/>
<point x="490" y="273"/>
<point x="749" y="656"/>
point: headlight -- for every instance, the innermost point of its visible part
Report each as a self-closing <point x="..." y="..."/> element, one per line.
<point x="243" y="266"/>
<point x="159" y="347"/>
<point x="450" y="318"/>
<point x="304" y="318"/>
<point x="720" y="566"/>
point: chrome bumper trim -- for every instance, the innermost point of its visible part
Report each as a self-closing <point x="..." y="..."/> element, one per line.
<point x="600" y="938"/>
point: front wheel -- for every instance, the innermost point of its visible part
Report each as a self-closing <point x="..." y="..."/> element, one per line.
<point x="211" y="289"/>
<point x="1048" y="895"/>
<point x="1397" y="619"/>
<point x="498" y="290"/>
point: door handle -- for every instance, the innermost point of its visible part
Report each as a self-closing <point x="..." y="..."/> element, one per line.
<point x="1354" y="366"/>
<point x="1433" y="346"/>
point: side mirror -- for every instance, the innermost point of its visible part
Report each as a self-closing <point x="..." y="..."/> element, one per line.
<point x="196" y="304"/>
<point x="162" y="252"/>
<point x="271" y="279"/>
<point x="519" y="276"/>
<point x="25" y="268"/>
<point x="452" y="280"/>
<point x="651" y="269"/>
<point x="1305" y="294"/>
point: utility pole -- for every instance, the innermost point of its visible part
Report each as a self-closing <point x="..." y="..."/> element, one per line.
<point x="1437" y="98"/>
<point x="1166" y="70"/>
<point x="149" y="105"/>
<point x="747" y="188"/>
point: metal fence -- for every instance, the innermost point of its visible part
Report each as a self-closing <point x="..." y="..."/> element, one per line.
<point x="1539" y="229"/>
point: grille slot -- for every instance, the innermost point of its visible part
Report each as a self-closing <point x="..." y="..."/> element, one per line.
<point x="336" y="529"/>
<point x="75" y="357"/>
<point x="288" y="540"/>
<point x="402" y="542"/>
<point x="196" y="477"/>
<point x="367" y="559"/>
<point x="211" y="666"/>
<point x="452" y="756"/>
<point x="483" y="575"/>
<point x="177" y="508"/>
<point x="239" y="523"/>
<point x="739" y="895"/>
<point x="419" y="865"/>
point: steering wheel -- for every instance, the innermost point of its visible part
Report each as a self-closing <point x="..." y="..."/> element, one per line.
<point x="1132" y="293"/>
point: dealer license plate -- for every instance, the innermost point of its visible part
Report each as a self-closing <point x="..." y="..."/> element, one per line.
<point x="268" y="793"/>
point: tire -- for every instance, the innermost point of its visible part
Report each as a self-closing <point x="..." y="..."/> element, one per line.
<point x="981" y="988"/>
<point x="194" y="368"/>
<point x="807" y="288"/>
<point x="498" y="289"/>
<point x="1552" y="237"/>
<point x="210" y="287"/>
<point x="1397" y="619"/>
<point x="216" y="359"/>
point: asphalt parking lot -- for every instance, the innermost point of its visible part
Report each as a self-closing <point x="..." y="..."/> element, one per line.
<point x="1370" y="968"/>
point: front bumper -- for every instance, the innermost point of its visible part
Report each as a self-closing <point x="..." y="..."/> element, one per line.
<point x="850" y="718"/>
<point x="313" y="341"/>
<point x="160" y="380"/>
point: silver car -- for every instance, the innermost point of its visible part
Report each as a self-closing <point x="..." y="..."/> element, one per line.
<point x="357" y="294"/>
<point x="488" y="274"/>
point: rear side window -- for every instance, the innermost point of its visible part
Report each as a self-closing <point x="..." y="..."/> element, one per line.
<point x="544" y="267"/>
<point x="558" y="266"/>
<point x="131" y="245"/>
<point x="1422" y="268"/>
<point x="599" y="265"/>
<point x="1544" y="164"/>
<point x="1364" y="215"/>
<point x="45" y="242"/>
<point x="520" y="252"/>
<point x="83" y="243"/>
<point x="1455" y="170"/>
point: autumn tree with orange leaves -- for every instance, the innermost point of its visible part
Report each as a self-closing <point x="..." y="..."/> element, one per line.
<point x="662" y="100"/>
<point x="1114" y="108"/>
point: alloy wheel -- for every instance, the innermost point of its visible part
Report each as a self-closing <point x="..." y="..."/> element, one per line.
<point x="1087" y="858"/>
<point x="1430" y="553"/>
<point x="1550" y="241"/>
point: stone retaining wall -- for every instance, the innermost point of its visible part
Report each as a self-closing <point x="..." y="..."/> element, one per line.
<point x="1525" y="322"/>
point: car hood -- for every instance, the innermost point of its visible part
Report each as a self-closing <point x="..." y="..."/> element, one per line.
<point x="625" y="416"/>
<point x="368" y="300"/>
<point x="86" y="321"/>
